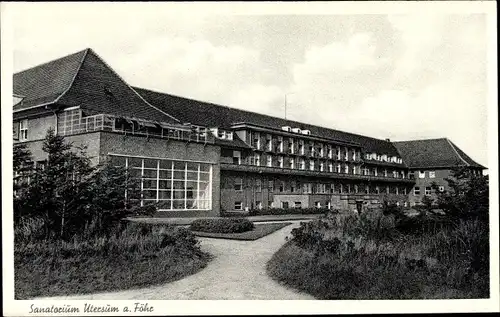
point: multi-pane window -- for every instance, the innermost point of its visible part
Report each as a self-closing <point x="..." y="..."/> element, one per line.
<point x="311" y="165"/>
<point x="321" y="166"/>
<point x="291" y="163"/>
<point x="346" y="169"/>
<point x="282" y="187"/>
<point x="340" y="188"/>
<point x="330" y="167"/>
<point x="321" y="188"/>
<point x="284" y="204"/>
<point x="280" y="144"/>
<point x="269" y="142"/>
<point x="256" y="159"/>
<point x="338" y="153"/>
<point x="175" y="185"/>
<point x="238" y="205"/>
<point x="338" y="168"/>
<point x="416" y="191"/>
<point x="280" y="161"/>
<point x="329" y="152"/>
<point x="256" y="140"/>
<point x="302" y="164"/>
<point x="291" y="146"/>
<point x="237" y="157"/>
<point x="269" y="161"/>
<point x="395" y="174"/>
<point x="307" y="188"/>
<point x="258" y="185"/>
<point x="332" y="188"/>
<point x="23" y="130"/>
<point x="312" y="150"/>
<point x="270" y="186"/>
<point x="320" y="150"/>
<point x="375" y="171"/>
<point x="432" y="174"/>
<point x="366" y="171"/>
<point x="346" y="157"/>
<point x="421" y="174"/>
<point x="428" y="190"/>
<point x="301" y="147"/>
<point x="293" y="187"/>
<point x="238" y="184"/>
<point x="298" y="204"/>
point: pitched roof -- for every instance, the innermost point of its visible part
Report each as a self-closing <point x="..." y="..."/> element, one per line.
<point x="46" y="82"/>
<point x="83" y="79"/>
<point x="213" y="115"/>
<point x="433" y="153"/>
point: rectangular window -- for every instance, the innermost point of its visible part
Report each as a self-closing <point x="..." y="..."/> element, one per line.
<point x="329" y="152"/>
<point x="237" y="157"/>
<point x="307" y="188"/>
<point x="332" y="188"/>
<point x="377" y="190"/>
<point x="311" y="165"/>
<point x="238" y="184"/>
<point x="256" y="159"/>
<point x="340" y="188"/>
<point x="387" y="190"/>
<point x="395" y="174"/>
<point x="269" y="142"/>
<point x="282" y="187"/>
<point x="280" y="144"/>
<point x="356" y="190"/>
<point x="302" y="164"/>
<point x="416" y="191"/>
<point x="258" y="204"/>
<point x="330" y="167"/>
<point x="238" y="205"/>
<point x="284" y="204"/>
<point x="367" y="189"/>
<point x="256" y="140"/>
<point x="421" y="174"/>
<point x="346" y="169"/>
<point x="174" y="185"/>
<point x="291" y="146"/>
<point x="258" y="185"/>
<point x="270" y="186"/>
<point x="291" y="163"/>
<point x="269" y="161"/>
<point x="375" y="171"/>
<point x="338" y="168"/>
<point x="321" y="166"/>
<point x="280" y="162"/>
<point x="293" y="187"/>
<point x="385" y="172"/>
<point x="404" y="190"/>
<point x="432" y="174"/>
<point x="317" y="204"/>
<point x="428" y="190"/>
<point x="23" y="130"/>
<point x="298" y="204"/>
<point x="301" y="147"/>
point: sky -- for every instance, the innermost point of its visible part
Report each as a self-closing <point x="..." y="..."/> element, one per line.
<point x="402" y="76"/>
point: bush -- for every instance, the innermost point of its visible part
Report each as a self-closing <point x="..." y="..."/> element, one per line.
<point x="377" y="256"/>
<point x="222" y="225"/>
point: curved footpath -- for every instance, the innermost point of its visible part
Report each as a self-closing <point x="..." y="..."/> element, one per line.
<point x="238" y="271"/>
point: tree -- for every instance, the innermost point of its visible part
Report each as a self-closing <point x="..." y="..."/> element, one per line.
<point x="467" y="197"/>
<point x="70" y="194"/>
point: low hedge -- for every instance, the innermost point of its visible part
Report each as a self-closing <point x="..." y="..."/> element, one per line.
<point x="222" y="225"/>
<point x="288" y="211"/>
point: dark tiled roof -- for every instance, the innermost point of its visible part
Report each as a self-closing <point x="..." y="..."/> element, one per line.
<point x="433" y="153"/>
<point x="84" y="79"/>
<point x="209" y="114"/>
<point x="45" y="83"/>
<point x="236" y="142"/>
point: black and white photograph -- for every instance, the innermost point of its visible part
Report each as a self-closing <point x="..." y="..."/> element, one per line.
<point x="328" y="157"/>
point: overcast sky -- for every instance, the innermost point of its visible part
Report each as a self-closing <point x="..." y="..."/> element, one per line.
<point x="389" y="76"/>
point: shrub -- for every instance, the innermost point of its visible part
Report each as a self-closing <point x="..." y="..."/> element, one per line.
<point x="222" y="225"/>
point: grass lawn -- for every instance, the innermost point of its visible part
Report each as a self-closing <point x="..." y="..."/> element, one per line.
<point x="260" y="230"/>
<point x="127" y="261"/>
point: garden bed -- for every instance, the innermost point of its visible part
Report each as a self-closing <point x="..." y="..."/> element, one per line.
<point x="129" y="260"/>
<point x="260" y="230"/>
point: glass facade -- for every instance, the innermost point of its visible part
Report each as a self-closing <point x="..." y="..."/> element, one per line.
<point x="174" y="184"/>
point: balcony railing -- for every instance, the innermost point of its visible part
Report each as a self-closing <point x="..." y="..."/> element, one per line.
<point x="307" y="172"/>
<point x="104" y="122"/>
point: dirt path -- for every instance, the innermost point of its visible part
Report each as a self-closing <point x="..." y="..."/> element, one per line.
<point x="237" y="272"/>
